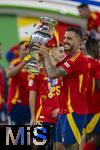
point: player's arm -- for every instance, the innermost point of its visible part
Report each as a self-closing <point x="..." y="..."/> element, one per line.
<point x="51" y="70"/>
<point x="32" y="104"/>
<point x="33" y="87"/>
<point x="13" y="70"/>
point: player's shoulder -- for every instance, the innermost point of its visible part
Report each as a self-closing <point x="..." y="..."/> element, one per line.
<point x="95" y="15"/>
<point x="15" y="61"/>
<point x="89" y="57"/>
<point x="79" y="55"/>
<point x="94" y="63"/>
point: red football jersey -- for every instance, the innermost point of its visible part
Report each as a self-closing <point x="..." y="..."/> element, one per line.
<point x="93" y="95"/>
<point x="1" y="89"/>
<point x="18" y="87"/>
<point x="48" y="91"/>
<point x="89" y="146"/>
<point x="72" y="98"/>
<point x="93" y="21"/>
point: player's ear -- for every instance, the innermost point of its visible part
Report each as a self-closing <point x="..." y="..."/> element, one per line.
<point x="79" y="43"/>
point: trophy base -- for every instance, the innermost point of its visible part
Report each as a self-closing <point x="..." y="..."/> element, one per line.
<point x="33" y="67"/>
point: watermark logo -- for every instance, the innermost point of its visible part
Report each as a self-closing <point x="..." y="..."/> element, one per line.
<point x="24" y="136"/>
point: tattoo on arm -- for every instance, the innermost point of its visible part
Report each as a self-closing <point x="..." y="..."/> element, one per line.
<point x="61" y="71"/>
<point x="51" y="70"/>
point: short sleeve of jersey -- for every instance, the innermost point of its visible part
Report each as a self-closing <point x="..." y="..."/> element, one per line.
<point x="14" y="62"/>
<point x="75" y="63"/>
<point x="97" y="21"/>
<point x="33" y="83"/>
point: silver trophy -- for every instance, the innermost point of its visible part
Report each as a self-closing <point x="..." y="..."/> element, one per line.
<point x="42" y="35"/>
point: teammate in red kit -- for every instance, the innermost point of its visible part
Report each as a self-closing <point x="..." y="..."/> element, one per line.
<point x="90" y="146"/>
<point x="93" y="93"/>
<point x="44" y="94"/>
<point x="18" y="94"/>
<point x="74" y="71"/>
<point x="93" y="20"/>
<point x="49" y="89"/>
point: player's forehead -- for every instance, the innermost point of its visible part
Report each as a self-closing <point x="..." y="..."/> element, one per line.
<point x="69" y="34"/>
<point x="57" y="49"/>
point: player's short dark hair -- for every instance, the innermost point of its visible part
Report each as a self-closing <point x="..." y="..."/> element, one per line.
<point x="76" y="30"/>
<point x="82" y="6"/>
<point x="91" y="42"/>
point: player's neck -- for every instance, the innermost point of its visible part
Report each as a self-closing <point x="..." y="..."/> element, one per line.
<point x="71" y="52"/>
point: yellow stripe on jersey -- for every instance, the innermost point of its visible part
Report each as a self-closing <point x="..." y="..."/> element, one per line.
<point x="74" y="128"/>
<point x="80" y="82"/>
<point x="40" y="108"/>
<point x="32" y="76"/>
<point x="14" y="100"/>
<point x="92" y="124"/>
<point x="75" y="56"/>
<point x="38" y="113"/>
<point x="57" y="37"/>
<point x="93" y="84"/>
<point x="15" y="61"/>
<point x="93" y="15"/>
<point x="69" y="102"/>
<point x="1" y="99"/>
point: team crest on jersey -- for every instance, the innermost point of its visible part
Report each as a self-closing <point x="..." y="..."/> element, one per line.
<point x="30" y="82"/>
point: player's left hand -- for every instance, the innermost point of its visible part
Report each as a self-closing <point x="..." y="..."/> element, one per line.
<point x="42" y="49"/>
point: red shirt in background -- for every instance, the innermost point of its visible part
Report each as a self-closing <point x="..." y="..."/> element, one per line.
<point x="89" y="146"/>
<point x="18" y="87"/>
<point x="93" y="95"/>
<point x="1" y="89"/>
<point x="93" y="21"/>
<point x="48" y="91"/>
<point x="72" y="98"/>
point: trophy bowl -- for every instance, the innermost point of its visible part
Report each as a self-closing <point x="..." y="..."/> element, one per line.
<point x="43" y="35"/>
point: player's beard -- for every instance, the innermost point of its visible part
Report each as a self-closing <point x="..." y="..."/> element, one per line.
<point x="69" y="48"/>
